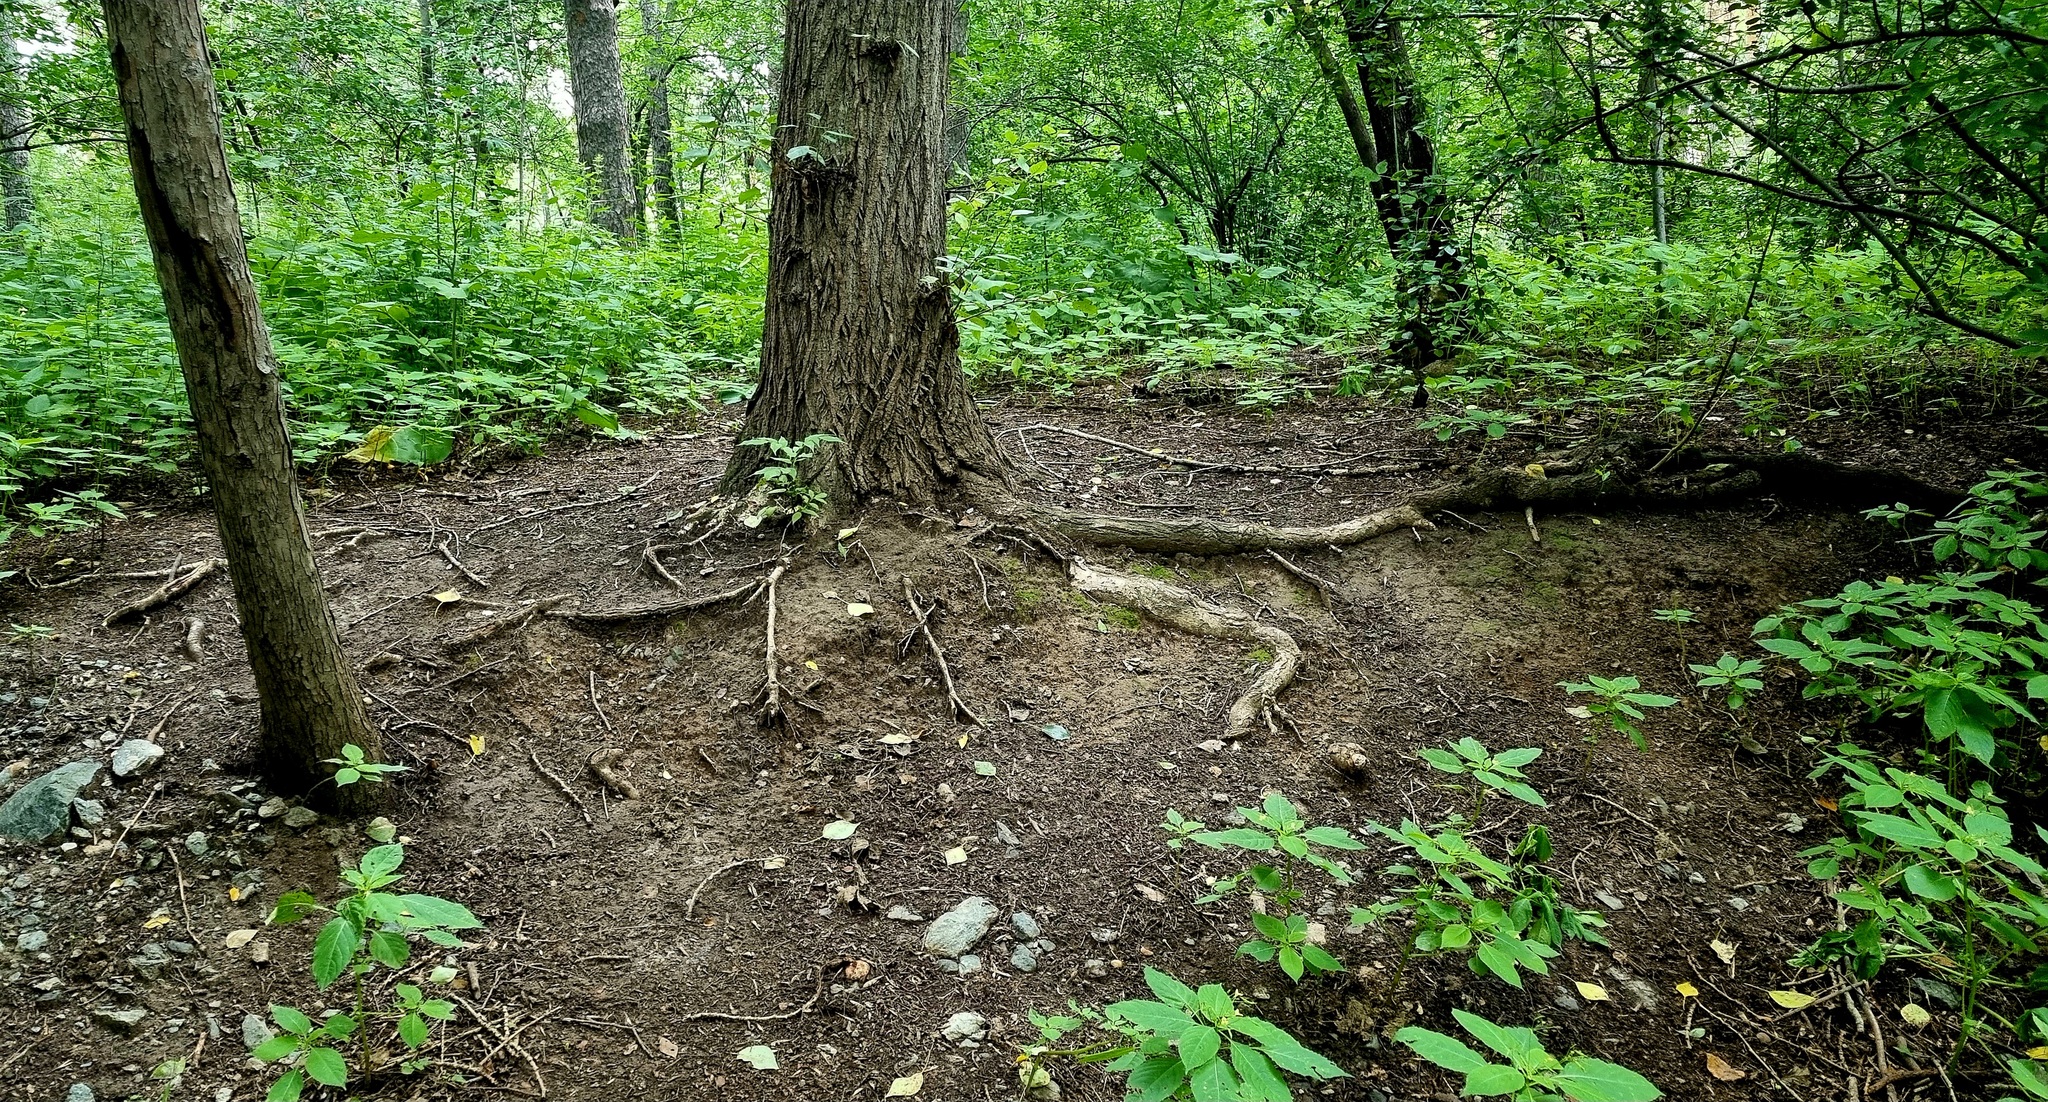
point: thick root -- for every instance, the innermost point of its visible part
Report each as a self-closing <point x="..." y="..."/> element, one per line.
<point x="1203" y="536"/>
<point x="1180" y="608"/>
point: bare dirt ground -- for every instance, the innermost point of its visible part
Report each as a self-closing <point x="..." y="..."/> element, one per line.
<point x="610" y="922"/>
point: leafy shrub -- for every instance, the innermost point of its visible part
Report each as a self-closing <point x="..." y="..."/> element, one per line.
<point x="1531" y="1073"/>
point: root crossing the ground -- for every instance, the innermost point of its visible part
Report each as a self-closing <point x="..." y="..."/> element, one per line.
<point x="1181" y="608"/>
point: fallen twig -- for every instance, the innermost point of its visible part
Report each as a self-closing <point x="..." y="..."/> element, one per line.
<point x="514" y="622"/>
<point x="771" y="689"/>
<point x="561" y="785"/>
<point x="1322" y="585"/>
<point x="194" y="646"/>
<point x="166" y="593"/>
<point x="654" y="611"/>
<point x="449" y="554"/>
<point x="924" y="625"/>
<point x="690" y="908"/>
<point x="604" y="764"/>
<point x="721" y="1016"/>
<point x="532" y="514"/>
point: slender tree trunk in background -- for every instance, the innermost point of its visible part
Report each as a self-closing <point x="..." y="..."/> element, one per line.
<point x="17" y="190"/>
<point x="860" y="339"/>
<point x="311" y="707"/>
<point x="1387" y="119"/>
<point x="959" y="126"/>
<point x="597" y="85"/>
<point x="430" y="86"/>
<point x="661" y="146"/>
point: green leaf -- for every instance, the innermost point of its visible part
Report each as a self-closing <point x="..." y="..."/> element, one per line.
<point x="277" y="1048"/>
<point x="1213" y="1082"/>
<point x="412" y="1029"/>
<point x="289" y="1019"/>
<point x="1905" y="832"/>
<point x="1585" y="1079"/>
<point x="288" y="1087"/>
<point x="1242" y="838"/>
<point x="1199" y="1045"/>
<point x="383" y="860"/>
<point x="291" y="907"/>
<point x="327" y="1067"/>
<point x="390" y="949"/>
<point x="1493" y="1079"/>
<point x="1441" y="1050"/>
<point x="1156" y="1017"/>
<point x="1929" y="884"/>
<point x="334" y="948"/>
<point x="1171" y="990"/>
<point x="1213" y="1002"/>
<point x="1262" y="1081"/>
<point x="1516" y="758"/>
<point x="1155" y="1080"/>
<point x="1333" y="837"/>
<point x="427" y="910"/>
<point x="1290" y="962"/>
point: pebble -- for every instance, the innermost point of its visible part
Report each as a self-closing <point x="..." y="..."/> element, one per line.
<point x="965" y="1028"/>
<point x="1610" y="901"/>
<point x="120" y="1021"/>
<point x="1095" y="968"/>
<point x="1025" y="958"/>
<point x="299" y="818"/>
<point x="79" y="1092"/>
<point x="1025" y="925"/>
<point x="1103" y="935"/>
<point x="273" y="807"/>
<point x="89" y="812"/>
<point x="901" y="913"/>
<point x="952" y="934"/>
<point x="196" y="843"/>
<point x="32" y="941"/>
<point x="255" y="1031"/>
<point x="1005" y="835"/>
<point x="135" y="756"/>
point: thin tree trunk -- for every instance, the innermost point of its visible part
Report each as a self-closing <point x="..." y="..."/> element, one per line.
<point x="661" y="147"/>
<point x="430" y="85"/>
<point x="310" y="705"/>
<point x="860" y="339"/>
<point x="17" y="128"/>
<point x="597" y="85"/>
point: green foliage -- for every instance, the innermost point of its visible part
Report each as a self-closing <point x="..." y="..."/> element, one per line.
<point x="367" y="927"/>
<point x="780" y="484"/>
<point x="1618" y="700"/>
<point x="1501" y="772"/>
<point x="1276" y="826"/>
<point x="1734" y="676"/>
<point x="1187" y="1043"/>
<point x="352" y="767"/>
<point x="1938" y="877"/>
<point x="1530" y="1073"/>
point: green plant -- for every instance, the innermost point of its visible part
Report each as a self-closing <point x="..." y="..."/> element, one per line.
<point x="1677" y="618"/>
<point x="1531" y="1073"/>
<point x="1186" y="1044"/>
<point x="1501" y="772"/>
<point x="1458" y="899"/>
<point x="780" y="484"/>
<point x="352" y="767"/>
<point x="1736" y="677"/>
<point x="1937" y="877"/>
<point x="1283" y="934"/>
<point x="1179" y="828"/>
<point x="1618" y="700"/>
<point x="368" y="927"/>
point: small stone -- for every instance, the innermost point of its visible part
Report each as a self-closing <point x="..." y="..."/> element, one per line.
<point x="901" y="913"/>
<point x="255" y="1031"/>
<point x="955" y="932"/>
<point x="1645" y="994"/>
<point x="966" y="1026"/>
<point x="32" y="941"/>
<point x="1350" y="759"/>
<point x="969" y="964"/>
<point x="41" y="808"/>
<point x="1565" y="1001"/>
<point x="196" y="843"/>
<point x="123" y="1022"/>
<point x="79" y="1092"/>
<point x="273" y="807"/>
<point x="1610" y="901"/>
<point x="1025" y="925"/>
<point x="1024" y="959"/>
<point x="301" y="817"/>
<point x="1103" y="935"/>
<point x="89" y="812"/>
<point x="135" y="756"/>
<point x="1005" y="835"/>
<point x="1095" y="968"/>
<point x="259" y="952"/>
<point x="1212" y="746"/>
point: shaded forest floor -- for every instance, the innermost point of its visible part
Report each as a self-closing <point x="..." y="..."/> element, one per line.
<point x="714" y="891"/>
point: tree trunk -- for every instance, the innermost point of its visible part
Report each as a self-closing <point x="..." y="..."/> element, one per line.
<point x="860" y="339"/>
<point x="430" y="86"/>
<point x="661" y="147"/>
<point x="598" y="87"/>
<point x="310" y="705"/>
<point x="17" y="190"/>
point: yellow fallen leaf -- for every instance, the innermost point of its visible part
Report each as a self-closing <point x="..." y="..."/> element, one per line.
<point x="234" y="894"/>
<point x="810" y="665"/>
<point x="448" y="597"/>
<point x="1915" y="1015"/>
<point x="1535" y="470"/>
<point x="476" y="745"/>
<point x="1723" y="1070"/>
<point x="906" y="1086"/>
<point x="1723" y="950"/>
<point x="2038" y="1052"/>
<point x="156" y="920"/>
<point x="957" y="855"/>
<point x="1791" y="1000"/>
<point x="1689" y="991"/>
<point x="1592" y="992"/>
<point x="858" y="609"/>
<point x="963" y="742"/>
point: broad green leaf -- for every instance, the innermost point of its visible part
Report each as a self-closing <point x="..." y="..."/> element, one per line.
<point x="277" y="1048"/>
<point x="1493" y="1079"/>
<point x="1199" y="1045"/>
<point x="1260" y="1079"/>
<point x="1257" y="841"/>
<point x="1333" y="837"/>
<point x="428" y="910"/>
<point x="327" y="1067"/>
<point x="1584" y="1079"/>
<point x="288" y="1087"/>
<point x="1156" y="1017"/>
<point x="390" y="949"/>
<point x="1155" y="1080"/>
<point x="1213" y="1082"/>
<point x="412" y="1029"/>
<point x="334" y="948"/>
<point x="290" y="1019"/>
<point x="382" y="860"/>
<point x="1906" y="832"/>
<point x="1169" y="989"/>
<point x="1441" y="1050"/>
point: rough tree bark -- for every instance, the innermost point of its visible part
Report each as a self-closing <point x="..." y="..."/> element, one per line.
<point x="17" y="190"/>
<point x="310" y="705"/>
<point x="597" y="86"/>
<point x="860" y="340"/>
<point x="430" y="83"/>
<point x="660" y="126"/>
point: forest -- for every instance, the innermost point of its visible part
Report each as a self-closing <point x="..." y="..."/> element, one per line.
<point x="1435" y="549"/>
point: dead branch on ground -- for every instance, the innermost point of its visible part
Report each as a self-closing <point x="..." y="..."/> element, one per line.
<point x="166" y="593"/>
<point x="771" y="690"/>
<point x="518" y="620"/>
<point x="924" y="626"/>
<point x="604" y="764"/>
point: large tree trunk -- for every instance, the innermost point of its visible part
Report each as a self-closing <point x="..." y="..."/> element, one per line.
<point x="598" y="87"/>
<point x="661" y="147"/>
<point x="311" y="707"/>
<point x="1386" y="118"/>
<point x="860" y="339"/>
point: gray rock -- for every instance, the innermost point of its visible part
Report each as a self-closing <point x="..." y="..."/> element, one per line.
<point x="79" y="1092"/>
<point x="1025" y="958"/>
<point x="137" y="755"/>
<point x="965" y="1028"/>
<point x="123" y="1022"/>
<point x="1610" y="901"/>
<point x="41" y="809"/>
<point x="1645" y="994"/>
<point x="273" y="807"/>
<point x="901" y="913"/>
<point x="90" y="812"/>
<point x="301" y="817"/>
<point x="1005" y="835"/>
<point x="1095" y="968"/>
<point x="32" y="941"/>
<point x="969" y="964"/>
<point x="255" y="1031"/>
<point x="196" y="842"/>
<point x="1103" y="935"/>
<point x="957" y="931"/>
<point x="1025" y="925"/>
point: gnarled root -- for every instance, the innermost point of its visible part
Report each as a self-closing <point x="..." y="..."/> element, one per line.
<point x="1173" y="605"/>
<point x="1203" y="536"/>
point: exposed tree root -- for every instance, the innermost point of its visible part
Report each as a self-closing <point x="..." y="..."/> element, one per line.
<point x="772" y="712"/>
<point x="194" y="646"/>
<point x="166" y="593"/>
<point x="1173" y="605"/>
<point x="924" y="626"/>
<point x="659" y="610"/>
<point x="1203" y="536"/>
<point x="514" y="621"/>
<point x="604" y="764"/>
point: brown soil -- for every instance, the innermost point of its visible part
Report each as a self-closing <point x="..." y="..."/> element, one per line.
<point x="592" y="950"/>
